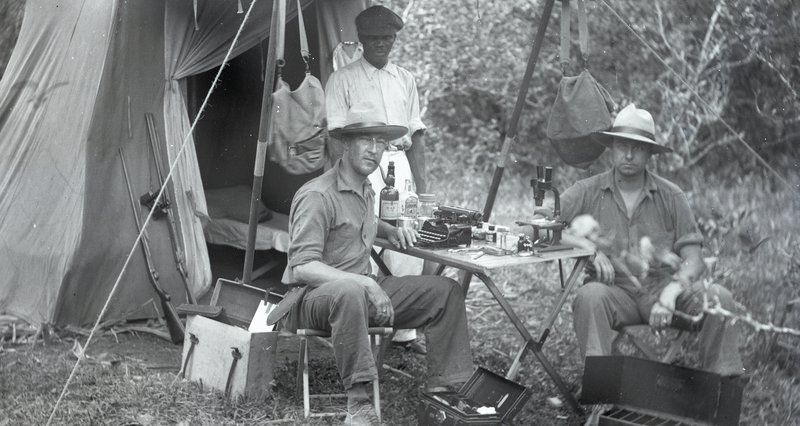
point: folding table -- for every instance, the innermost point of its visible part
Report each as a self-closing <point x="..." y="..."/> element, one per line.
<point x="482" y="268"/>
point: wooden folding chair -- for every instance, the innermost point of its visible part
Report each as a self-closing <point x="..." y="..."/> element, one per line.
<point x="376" y="334"/>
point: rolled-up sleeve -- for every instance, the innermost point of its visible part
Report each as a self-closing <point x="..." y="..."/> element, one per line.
<point x="414" y="120"/>
<point x="686" y="232"/>
<point x="336" y="104"/>
<point x="308" y="230"/>
<point x="572" y="202"/>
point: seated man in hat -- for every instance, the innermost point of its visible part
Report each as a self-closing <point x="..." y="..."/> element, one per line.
<point x="374" y="81"/>
<point x="332" y="229"/>
<point x="629" y="202"/>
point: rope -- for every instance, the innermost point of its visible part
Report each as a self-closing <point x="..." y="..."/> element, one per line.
<point x="150" y="215"/>
<point x="702" y="101"/>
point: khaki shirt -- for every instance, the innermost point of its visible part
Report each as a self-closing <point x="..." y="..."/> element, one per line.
<point x="333" y="223"/>
<point x="662" y="213"/>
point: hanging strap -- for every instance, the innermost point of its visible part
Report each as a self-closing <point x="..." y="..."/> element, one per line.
<point x="304" y="52"/>
<point x="236" y="357"/>
<point x="583" y="35"/>
<point x="565" y="36"/>
<point x="280" y="34"/>
<point x="194" y="341"/>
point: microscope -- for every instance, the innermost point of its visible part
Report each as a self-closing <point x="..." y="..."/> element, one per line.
<point x="546" y="231"/>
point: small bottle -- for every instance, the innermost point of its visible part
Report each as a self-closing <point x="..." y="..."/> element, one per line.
<point x="491" y="235"/>
<point x="389" y="208"/>
<point x="410" y="201"/>
<point x="502" y="236"/>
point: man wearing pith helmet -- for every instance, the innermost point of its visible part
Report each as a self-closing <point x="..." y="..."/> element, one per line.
<point x="630" y="203"/>
<point x="375" y="81"/>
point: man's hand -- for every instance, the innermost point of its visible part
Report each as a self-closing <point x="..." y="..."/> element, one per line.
<point x="661" y="315"/>
<point x="384" y="312"/>
<point x="603" y="267"/>
<point x="403" y="237"/>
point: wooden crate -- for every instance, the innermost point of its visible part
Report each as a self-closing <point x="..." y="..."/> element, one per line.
<point x="212" y="356"/>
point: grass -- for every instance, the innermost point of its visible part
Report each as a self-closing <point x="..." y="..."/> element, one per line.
<point x="134" y="389"/>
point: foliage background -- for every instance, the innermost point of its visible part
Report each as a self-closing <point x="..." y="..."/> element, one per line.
<point x="740" y="56"/>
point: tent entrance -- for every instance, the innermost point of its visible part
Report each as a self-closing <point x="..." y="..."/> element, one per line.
<point x="225" y="140"/>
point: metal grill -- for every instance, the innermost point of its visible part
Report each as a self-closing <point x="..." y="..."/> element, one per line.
<point x="623" y="416"/>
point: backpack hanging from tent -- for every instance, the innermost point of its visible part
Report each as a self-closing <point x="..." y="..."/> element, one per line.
<point x="297" y="140"/>
<point x="582" y="105"/>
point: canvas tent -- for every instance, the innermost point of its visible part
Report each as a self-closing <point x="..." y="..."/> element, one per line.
<point x="78" y="85"/>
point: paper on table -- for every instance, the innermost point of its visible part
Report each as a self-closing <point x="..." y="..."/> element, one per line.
<point x="259" y="322"/>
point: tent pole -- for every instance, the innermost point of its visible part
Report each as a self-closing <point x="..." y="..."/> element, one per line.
<point x="511" y="132"/>
<point x="261" y="151"/>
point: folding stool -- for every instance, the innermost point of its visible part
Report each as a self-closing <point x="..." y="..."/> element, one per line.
<point x="376" y="335"/>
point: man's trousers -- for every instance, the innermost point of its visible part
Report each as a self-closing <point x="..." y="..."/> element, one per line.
<point x="430" y="302"/>
<point x="599" y="309"/>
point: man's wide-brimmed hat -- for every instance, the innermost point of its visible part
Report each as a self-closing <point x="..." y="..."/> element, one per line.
<point x="635" y="124"/>
<point x="378" y="21"/>
<point x="365" y="120"/>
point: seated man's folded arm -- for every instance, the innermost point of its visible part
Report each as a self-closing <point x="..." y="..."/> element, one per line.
<point x="315" y="273"/>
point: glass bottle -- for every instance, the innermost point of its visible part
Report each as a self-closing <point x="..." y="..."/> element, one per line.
<point x="410" y="201"/>
<point x="389" y="208"/>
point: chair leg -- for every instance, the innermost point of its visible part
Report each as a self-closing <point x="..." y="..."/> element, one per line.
<point x="376" y="396"/>
<point x="377" y="352"/>
<point x="306" y="392"/>
<point x="300" y="356"/>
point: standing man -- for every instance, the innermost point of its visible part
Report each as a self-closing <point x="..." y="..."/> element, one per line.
<point x="629" y="202"/>
<point x="374" y="82"/>
<point x="332" y="228"/>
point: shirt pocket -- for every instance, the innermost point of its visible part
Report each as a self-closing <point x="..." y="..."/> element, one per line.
<point x="346" y="238"/>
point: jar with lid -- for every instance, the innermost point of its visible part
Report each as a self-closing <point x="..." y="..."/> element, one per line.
<point x="491" y="235"/>
<point x="427" y="204"/>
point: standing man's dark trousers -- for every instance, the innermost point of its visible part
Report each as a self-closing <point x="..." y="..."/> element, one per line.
<point x="430" y="302"/>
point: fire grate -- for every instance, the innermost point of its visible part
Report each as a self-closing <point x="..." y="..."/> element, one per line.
<point x="625" y="417"/>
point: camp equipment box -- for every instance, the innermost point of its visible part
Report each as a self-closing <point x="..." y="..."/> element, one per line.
<point x="221" y="354"/>
<point x="645" y="391"/>
<point x="484" y="389"/>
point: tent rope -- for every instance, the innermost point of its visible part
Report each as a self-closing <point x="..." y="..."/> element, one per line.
<point x="700" y="98"/>
<point x="167" y="178"/>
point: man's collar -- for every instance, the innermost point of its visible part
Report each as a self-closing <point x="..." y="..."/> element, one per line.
<point x="649" y="183"/>
<point x="341" y="182"/>
<point x="370" y="69"/>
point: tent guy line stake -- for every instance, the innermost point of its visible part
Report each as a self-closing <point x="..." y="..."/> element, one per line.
<point x="700" y="98"/>
<point x="149" y="215"/>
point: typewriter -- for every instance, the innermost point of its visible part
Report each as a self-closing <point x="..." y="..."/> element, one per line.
<point x="436" y="233"/>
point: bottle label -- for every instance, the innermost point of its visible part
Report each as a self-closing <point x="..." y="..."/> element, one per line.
<point x="390" y="210"/>
<point x="410" y="207"/>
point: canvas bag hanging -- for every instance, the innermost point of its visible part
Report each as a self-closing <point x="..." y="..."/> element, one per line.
<point x="297" y="139"/>
<point x="582" y="106"/>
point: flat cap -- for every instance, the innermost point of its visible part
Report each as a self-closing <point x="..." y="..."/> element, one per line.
<point x="378" y="21"/>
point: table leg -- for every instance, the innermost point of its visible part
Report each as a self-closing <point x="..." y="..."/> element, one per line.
<point x="536" y="346"/>
<point x="466" y="279"/>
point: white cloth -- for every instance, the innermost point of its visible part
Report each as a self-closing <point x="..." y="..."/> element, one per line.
<point x="342" y="55"/>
